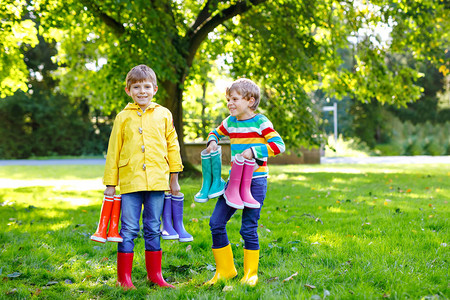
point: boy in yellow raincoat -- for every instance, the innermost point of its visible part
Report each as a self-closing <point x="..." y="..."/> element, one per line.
<point x="143" y="156"/>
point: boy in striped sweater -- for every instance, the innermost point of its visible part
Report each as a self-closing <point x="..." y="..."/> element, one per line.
<point x="253" y="140"/>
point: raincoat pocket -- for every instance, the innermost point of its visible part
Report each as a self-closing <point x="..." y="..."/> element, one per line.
<point x="123" y="162"/>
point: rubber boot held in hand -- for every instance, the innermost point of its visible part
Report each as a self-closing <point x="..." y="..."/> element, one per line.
<point x="232" y="195"/>
<point x="202" y="195"/>
<point x="105" y="215"/>
<point x="177" y="216"/>
<point x="153" y="265"/>
<point x="124" y="267"/>
<point x="168" y="232"/>
<point x="251" y="260"/>
<point x="246" y="183"/>
<point x="225" y="268"/>
<point x="218" y="184"/>
<point x="113" y="232"/>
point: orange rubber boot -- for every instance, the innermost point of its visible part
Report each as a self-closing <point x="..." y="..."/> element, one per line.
<point x="105" y="214"/>
<point x="113" y="233"/>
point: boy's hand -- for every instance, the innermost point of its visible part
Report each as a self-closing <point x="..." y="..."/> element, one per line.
<point x="247" y="154"/>
<point x="110" y="191"/>
<point x="211" y="147"/>
<point x="174" y="185"/>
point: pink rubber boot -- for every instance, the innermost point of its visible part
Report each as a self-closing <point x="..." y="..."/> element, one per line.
<point x="246" y="182"/>
<point x="232" y="195"/>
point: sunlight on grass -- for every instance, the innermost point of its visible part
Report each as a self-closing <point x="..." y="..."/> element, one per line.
<point x="341" y="211"/>
<point x="76" y="201"/>
<point x="372" y="230"/>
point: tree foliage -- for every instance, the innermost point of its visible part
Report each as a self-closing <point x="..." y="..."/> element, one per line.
<point x="289" y="47"/>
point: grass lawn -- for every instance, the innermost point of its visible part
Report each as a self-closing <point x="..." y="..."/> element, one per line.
<point x="335" y="231"/>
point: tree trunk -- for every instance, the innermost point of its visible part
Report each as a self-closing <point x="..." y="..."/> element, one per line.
<point x="174" y="104"/>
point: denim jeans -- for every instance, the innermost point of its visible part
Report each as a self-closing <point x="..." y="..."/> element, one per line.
<point x="153" y="202"/>
<point x="250" y="216"/>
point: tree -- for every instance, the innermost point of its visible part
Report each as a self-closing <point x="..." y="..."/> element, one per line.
<point x="290" y="47"/>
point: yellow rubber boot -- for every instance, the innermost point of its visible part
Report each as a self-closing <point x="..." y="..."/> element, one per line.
<point x="225" y="268"/>
<point x="251" y="260"/>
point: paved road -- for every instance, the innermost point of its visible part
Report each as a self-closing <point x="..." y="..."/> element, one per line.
<point x="324" y="160"/>
<point x="420" y="159"/>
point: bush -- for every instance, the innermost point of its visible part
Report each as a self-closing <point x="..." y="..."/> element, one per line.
<point x="434" y="147"/>
<point x="45" y="124"/>
<point x="393" y="149"/>
<point x="414" y="146"/>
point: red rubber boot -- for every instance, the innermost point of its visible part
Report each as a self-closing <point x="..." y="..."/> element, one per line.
<point x="124" y="267"/>
<point x="153" y="264"/>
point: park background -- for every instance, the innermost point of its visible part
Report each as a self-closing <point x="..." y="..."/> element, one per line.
<point x="384" y="63"/>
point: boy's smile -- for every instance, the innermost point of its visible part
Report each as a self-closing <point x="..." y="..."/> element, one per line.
<point x="142" y="93"/>
<point x="240" y="107"/>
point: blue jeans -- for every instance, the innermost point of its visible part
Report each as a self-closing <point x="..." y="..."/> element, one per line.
<point x="153" y="202"/>
<point x="250" y="216"/>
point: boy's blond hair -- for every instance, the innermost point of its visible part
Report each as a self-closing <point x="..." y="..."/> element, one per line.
<point x="141" y="73"/>
<point x="247" y="89"/>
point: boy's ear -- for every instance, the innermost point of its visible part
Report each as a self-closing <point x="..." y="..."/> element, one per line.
<point x="156" y="89"/>
<point x="251" y="101"/>
<point x="127" y="91"/>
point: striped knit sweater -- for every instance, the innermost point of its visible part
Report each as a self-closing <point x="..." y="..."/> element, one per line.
<point x="256" y="133"/>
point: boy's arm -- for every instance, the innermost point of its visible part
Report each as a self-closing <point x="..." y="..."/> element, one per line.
<point x="173" y="147"/>
<point x="217" y="134"/>
<point x="174" y="185"/>
<point x="275" y="144"/>
<point x="111" y="175"/>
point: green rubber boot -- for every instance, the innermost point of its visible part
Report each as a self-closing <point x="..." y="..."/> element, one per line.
<point x="218" y="184"/>
<point x="202" y="195"/>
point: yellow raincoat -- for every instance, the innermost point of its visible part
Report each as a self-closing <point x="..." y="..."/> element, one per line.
<point x="143" y="149"/>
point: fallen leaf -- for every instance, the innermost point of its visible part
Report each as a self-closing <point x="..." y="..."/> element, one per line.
<point x="194" y="220"/>
<point x="189" y="247"/>
<point x="105" y="259"/>
<point x="37" y="292"/>
<point x="51" y="283"/>
<point x="408" y="190"/>
<point x="326" y="293"/>
<point x="310" y="286"/>
<point x="192" y="205"/>
<point x="290" y="277"/>
<point x="14" y="275"/>
<point x="227" y="288"/>
<point x="13" y="291"/>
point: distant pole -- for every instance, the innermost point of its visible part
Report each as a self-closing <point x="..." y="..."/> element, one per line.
<point x="335" y="120"/>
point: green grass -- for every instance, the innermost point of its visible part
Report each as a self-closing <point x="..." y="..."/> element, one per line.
<point x="353" y="231"/>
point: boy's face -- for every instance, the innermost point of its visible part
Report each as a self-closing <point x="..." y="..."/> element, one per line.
<point x="240" y="107"/>
<point x="142" y="93"/>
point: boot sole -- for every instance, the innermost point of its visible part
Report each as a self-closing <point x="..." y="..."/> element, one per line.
<point x="98" y="239"/>
<point x="170" y="237"/>
<point x="236" y="206"/>
<point x="201" y="200"/>
<point x="249" y="205"/>
<point x="215" y="195"/>
<point x="114" y="239"/>
<point x="184" y="240"/>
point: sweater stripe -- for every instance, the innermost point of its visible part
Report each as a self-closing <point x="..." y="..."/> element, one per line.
<point x="256" y="133"/>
